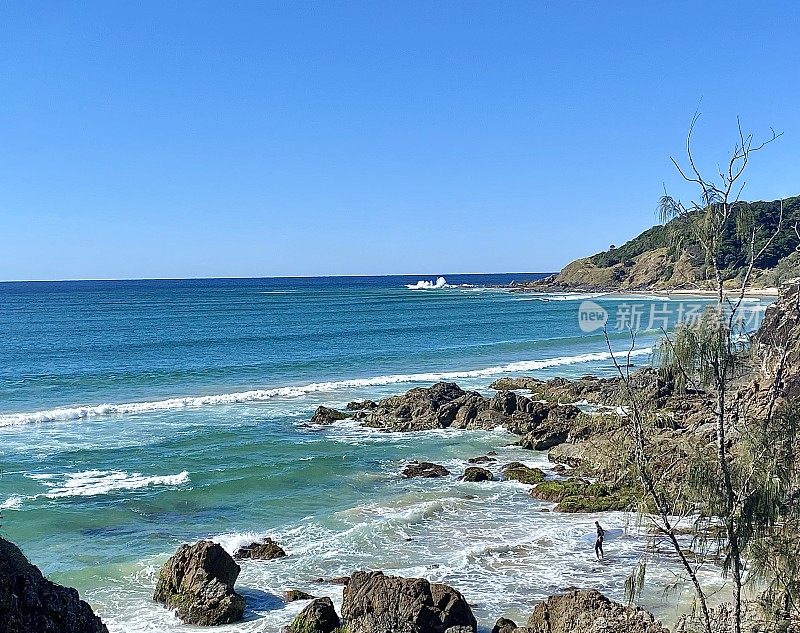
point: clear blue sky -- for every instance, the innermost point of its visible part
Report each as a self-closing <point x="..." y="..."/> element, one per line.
<point x="183" y="139"/>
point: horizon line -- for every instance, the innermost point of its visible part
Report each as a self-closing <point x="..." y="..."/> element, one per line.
<point x="72" y="280"/>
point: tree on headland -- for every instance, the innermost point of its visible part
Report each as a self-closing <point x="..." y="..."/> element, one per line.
<point x="739" y="499"/>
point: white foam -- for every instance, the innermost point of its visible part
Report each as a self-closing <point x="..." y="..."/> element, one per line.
<point x="99" y="482"/>
<point x="424" y="284"/>
<point x="91" y="483"/>
<point x="259" y="395"/>
<point x="14" y="502"/>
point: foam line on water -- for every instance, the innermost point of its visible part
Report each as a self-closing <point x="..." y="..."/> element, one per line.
<point x="259" y="395"/>
<point x="91" y="483"/>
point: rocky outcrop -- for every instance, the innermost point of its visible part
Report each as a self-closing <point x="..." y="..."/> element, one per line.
<point x="589" y="612"/>
<point x="476" y="473"/>
<point x="522" y="473"/>
<point x="424" y="469"/>
<point x="444" y="405"/>
<point x="579" y="495"/>
<point x="266" y="549"/>
<point x="326" y="415"/>
<point x="197" y="581"/>
<point x="376" y="603"/>
<point x="318" y="617"/>
<point x="29" y="603"/>
<point x="777" y="342"/>
<point x="417" y="410"/>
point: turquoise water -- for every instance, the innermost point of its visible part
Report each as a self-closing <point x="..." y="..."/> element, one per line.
<point x="135" y="416"/>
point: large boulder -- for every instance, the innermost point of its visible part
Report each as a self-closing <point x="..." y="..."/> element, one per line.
<point x="197" y="581"/>
<point x="266" y="549"/>
<point x="376" y="603"/>
<point x="318" y="617"/>
<point x="476" y="473"/>
<point x="589" y="612"/>
<point x="29" y="603"/>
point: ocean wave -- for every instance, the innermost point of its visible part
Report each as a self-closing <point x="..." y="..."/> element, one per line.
<point x="14" y="502"/>
<point x="424" y="284"/>
<point x="92" y="483"/>
<point x="260" y="395"/>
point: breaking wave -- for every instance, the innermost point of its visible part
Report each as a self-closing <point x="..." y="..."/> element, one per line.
<point x="260" y="395"/>
<point x="423" y="284"/>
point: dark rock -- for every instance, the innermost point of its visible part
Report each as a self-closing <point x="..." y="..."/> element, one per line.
<point x="483" y="459"/>
<point x="504" y="625"/>
<point x="361" y="405"/>
<point x="505" y="402"/>
<point x="417" y="410"/>
<point x="317" y="617"/>
<point x="589" y="612"/>
<point x="326" y="415"/>
<point x="29" y="603"/>
<point x="545" y="425"/>
<point x="424" y="469"/>
<point x="375" y="603"/>
<point x="512" y="465"/>
<point x="338" y="580"/>
<point x="476" y="473"/>
<point x="293" y="595"/>
<point x="197" y="581"/>
<point x="260" y="550"/>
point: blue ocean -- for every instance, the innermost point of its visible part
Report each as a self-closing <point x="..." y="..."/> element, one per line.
<point x="139" y="415"/>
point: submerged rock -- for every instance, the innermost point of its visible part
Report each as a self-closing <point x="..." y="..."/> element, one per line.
<point x="318" y="617"/>
<point x="424" y="469"/>
<point x="482" y="459"/>
<point x="29" y="603"/>
<point x="375" y="603"/>
<point x="326" y="415"/>
<point x="589" y="612"/>
<point x="476" y="473"/>
<point x="266" y="549"/>
<point x="197" y="581"/>
<point x="293" y="595"/>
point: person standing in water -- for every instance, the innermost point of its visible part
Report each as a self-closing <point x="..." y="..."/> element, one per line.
<point x="598" y="544"/>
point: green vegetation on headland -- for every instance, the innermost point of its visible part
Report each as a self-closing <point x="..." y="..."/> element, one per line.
<point x="664" y="258"/>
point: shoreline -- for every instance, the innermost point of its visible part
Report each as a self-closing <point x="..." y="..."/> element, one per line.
<point x="751" y="293"/>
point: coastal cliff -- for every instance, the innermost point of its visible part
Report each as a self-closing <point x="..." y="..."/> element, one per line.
<point x="654" y="260"/>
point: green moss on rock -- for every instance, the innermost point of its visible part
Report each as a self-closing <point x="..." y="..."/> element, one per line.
<point x="580" y="495"/>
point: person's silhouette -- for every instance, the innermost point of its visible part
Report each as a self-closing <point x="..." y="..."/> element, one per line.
<point x="598" y="544"/>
